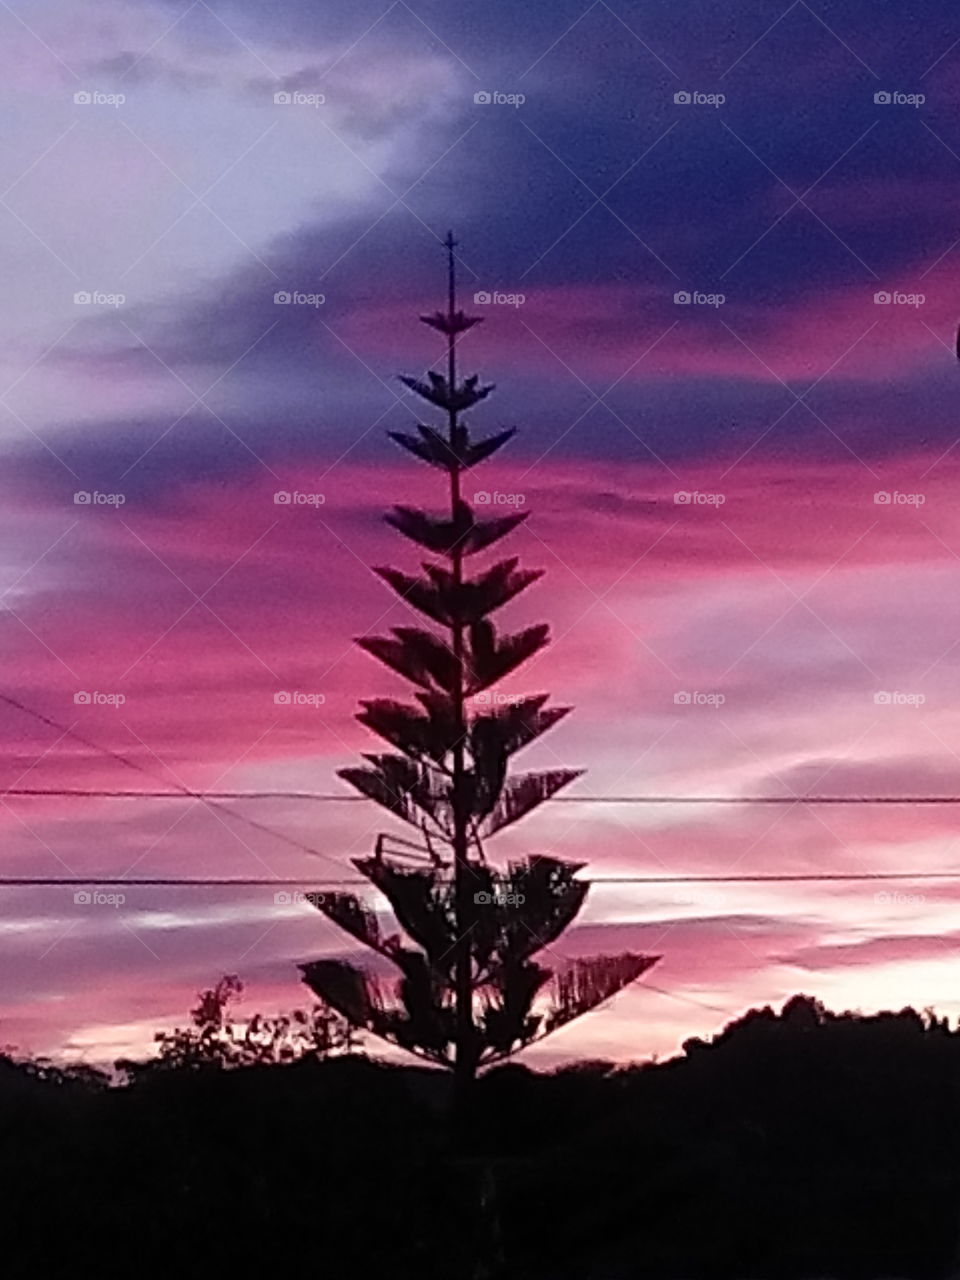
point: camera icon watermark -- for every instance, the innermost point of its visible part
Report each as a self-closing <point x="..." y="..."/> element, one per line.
<point x="682" y="698"/>
<point x="484" y="498"/>
<point x="895" y="698"/>
<point x="894" y="498"/>
<point x="84" y="698"/>
<point x="95" y="98"/>
<point x="488" y="97"/>
<point x="895" y="298"/>
<point x="485" y="298"/>
<point x="98" y="898"/>
<point x="694" y="498"/>
<point x="296" y="98"/>
<point x="894" y="98"/>
<point x="94" y="498"/>
<point x="294" y="298"/>
<point x="493" y="698"/>
<point x="98" y="298"/>
<point x="694" y="98"/>
<point x="286" y="698"/>
<point x="294" y="498"/>
<point x="686" y="298"/>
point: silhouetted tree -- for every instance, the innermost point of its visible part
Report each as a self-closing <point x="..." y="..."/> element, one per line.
<point x="470" y="993"/>
<point x="216" y="1040"/>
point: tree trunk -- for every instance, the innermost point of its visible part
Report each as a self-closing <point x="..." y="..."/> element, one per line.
<point x="465" y="1049"/>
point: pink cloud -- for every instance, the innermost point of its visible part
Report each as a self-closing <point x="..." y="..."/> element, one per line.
<point x="608" y="333"/>
<point x="646" y="597"/>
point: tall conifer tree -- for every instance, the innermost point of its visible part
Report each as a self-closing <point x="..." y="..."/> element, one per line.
<point x="470" y="992"/>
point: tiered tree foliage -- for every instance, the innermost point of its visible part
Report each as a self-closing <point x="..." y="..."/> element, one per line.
<point x="470" y="992"/>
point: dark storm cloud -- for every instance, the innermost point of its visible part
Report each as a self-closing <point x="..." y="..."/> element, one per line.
<point x="695" y="213"/>
<point x="799" y="102"/>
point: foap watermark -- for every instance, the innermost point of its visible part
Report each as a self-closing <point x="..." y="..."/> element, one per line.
<point x="694" y="498"/>
<point x="98" y="298"/>
<point x="98" y="898"/>
<point x="886" y="898"/>
<point x="83" y="698"/>
<point x="895" y="98"/>
<point x="294" y="498"/>
<point x="294" y="698"/>
<point x="494" y="98"/>
<point x="94" y="498"/>
<point x="492" y="298"/>
<point x="294" y="298"/>
<point x="694" y="98"/>
<point x="97" y="98"/>
<point x="687" y="298"/>
<point x="894" y="498"/>
<point x="484" y="498"/>
<point x="484" y="899"/>
<point x="894" y="298"/>
<point x="491" y="698"/>
<point x="294" y="897"/>
<point x="297" y="98"/>
<point x="894" y="698"/>
<point x="683" y="698"/>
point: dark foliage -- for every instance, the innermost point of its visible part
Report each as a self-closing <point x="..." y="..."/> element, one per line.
<point x="798" y="1145"/>
<point x="215" y="1040"/>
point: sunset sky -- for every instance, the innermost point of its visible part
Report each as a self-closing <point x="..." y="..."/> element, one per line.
<point x="748" y="498"/>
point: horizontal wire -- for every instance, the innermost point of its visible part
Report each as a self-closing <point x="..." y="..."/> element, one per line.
<point x="251" y="881"/>
<point x="181" y="792"/>
<point x="326" y="798"/>
<point x="214" y="806"/>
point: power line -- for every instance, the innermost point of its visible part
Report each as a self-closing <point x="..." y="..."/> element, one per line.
<point x="101" y="793"/>
<point x="778" y="877"/>
<point x="104" y="793"/>
<point x="178" y="788"/>
<point x="212" y="798"/>
<point x="336" y="798"/>
<point x="179" y="882"/>
<point x="280" y="882"/>
<point x="675" y="995"/>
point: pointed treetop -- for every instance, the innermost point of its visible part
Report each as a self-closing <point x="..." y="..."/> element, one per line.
<point x="451" y="322"/>
<point x="451" y="275"/>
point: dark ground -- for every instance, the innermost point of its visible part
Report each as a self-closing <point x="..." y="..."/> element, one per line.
<point x="799" y="1145"/>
